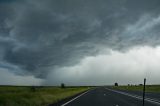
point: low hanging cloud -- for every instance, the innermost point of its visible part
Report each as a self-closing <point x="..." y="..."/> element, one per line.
<point x="8" y="78"/>
<point x="40" y="37"/>
<point x="122" y="67"/>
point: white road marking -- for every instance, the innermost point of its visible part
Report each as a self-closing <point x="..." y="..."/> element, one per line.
<point x="137" y="97"/>
<point x="74" y="98"/>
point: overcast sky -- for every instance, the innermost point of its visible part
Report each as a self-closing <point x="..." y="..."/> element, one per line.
<point x="79" y="42"/>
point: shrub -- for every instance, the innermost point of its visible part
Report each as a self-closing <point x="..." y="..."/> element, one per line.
<point x="62" y="85"/>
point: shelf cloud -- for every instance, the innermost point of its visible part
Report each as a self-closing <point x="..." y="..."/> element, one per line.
<point x="55" y="41"/>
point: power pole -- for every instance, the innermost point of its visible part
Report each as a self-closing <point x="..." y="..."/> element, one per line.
<point x="144" y="87"/>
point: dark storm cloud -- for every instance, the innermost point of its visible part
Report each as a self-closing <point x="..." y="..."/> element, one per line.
<point x="36" y="34"/>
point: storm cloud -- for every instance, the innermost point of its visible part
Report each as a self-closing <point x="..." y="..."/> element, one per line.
<point x="40" y="38"/>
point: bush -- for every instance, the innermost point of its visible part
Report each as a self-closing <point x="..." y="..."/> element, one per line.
<point x="33" y="88"/>
<point x="116" y="84"/>
<point x="62" y="85"/>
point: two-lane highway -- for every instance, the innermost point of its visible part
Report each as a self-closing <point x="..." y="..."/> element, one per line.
<point x="107" y="97"/>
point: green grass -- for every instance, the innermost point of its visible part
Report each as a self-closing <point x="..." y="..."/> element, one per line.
<point x="149" y="88"/>
<point x="42" y="96"/>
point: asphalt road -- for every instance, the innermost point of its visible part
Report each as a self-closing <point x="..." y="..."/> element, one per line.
<point x="152" y="95"/>
<point x="109" y="97"/>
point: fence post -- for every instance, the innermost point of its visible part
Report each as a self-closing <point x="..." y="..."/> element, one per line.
<point x="144" y="87"/>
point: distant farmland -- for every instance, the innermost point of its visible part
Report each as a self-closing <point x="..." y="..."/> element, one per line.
<point x="35" y="96"/>
<point x="149" y="88"/>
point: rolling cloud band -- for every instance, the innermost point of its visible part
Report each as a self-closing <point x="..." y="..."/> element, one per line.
<point x="45" y="39"/>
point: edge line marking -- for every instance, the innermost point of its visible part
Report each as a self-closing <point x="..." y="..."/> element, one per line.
<point x="136" y="96"/>
<point x="75" y="98"/>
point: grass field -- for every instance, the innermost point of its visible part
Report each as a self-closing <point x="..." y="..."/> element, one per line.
<point x="41" y="96"/>
<point x="149" y="88"/>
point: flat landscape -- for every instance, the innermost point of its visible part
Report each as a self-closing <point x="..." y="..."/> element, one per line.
<point x="79" y="52"/>
<point x="35" y="96"/>
<point x="149" y="88"/>
<point x="107" y="96"/>
<point x="78" y="96"/>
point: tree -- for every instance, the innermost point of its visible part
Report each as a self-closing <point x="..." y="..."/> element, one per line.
<point x="116" y="84"/>
<point x="62" y="85"/>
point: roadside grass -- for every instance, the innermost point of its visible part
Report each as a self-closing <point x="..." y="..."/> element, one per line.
<point x="149" y="88"/>
<point x="40" y="96"/>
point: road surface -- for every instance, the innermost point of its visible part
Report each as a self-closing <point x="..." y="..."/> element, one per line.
<point x="108" y="97"/>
